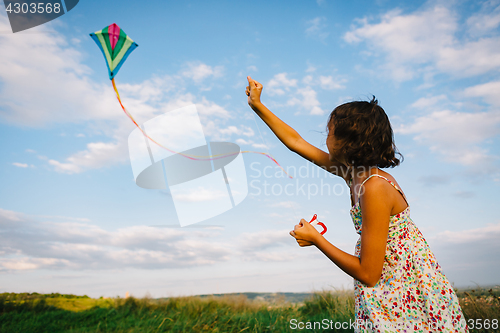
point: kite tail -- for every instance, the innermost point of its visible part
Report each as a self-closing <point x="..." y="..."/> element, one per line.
<point x="139" y="127"/>
<point x="191" y="157"/>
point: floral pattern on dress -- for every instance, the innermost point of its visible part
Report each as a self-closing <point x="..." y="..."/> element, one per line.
<point x="413" y="294"/>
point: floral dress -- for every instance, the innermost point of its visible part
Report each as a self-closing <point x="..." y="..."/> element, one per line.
<point x="412" y="295"/>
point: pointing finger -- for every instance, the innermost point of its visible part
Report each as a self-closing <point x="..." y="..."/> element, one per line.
<point x="251" y="82"/>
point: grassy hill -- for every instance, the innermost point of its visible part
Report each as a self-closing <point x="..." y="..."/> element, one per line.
<point x="266" y="297"/>
<point x="241" y="312"/>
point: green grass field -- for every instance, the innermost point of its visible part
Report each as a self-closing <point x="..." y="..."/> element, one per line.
<point x="230" y="313"/>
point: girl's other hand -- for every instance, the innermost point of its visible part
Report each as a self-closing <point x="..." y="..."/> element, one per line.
<point x="253" y="91"/>
<point x="305" y="234"/>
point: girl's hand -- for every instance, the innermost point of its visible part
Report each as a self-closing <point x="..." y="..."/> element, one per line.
<point x="305" y="234"/>
<point x="253" y="91"/>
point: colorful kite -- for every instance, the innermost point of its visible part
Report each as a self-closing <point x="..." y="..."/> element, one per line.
<point x="116" y="46"/>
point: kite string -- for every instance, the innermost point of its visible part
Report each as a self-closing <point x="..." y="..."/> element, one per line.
<point x="191" y="157"/>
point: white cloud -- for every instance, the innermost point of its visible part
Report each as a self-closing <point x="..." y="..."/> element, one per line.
<point x="270" y="246"/>
<point x="230" y="130"/>
<point x="21" y="264"/>
<point x="310" y="68"/>
<point x="104" y="154"/>
<point x="209" y="108"/>
<point x="97" y="155"/>
<point x="308" y="102"/>
<point x="262" y="240"/>
<point x="279" y="84"/>
<point x="459" y="136"/>
<point x="199" y="195"/>
<point x="464" y="253"/>
<point x="285" y="204"/>
<point x="426" y="37"/>
<point x="10" y="215"/>
<point x="242" y="130"/>
<point x="434" y="180"/>
<point x="304" y="96"/>
<point x="29" y="244"/>
<point x="151" y="90"/>
<point x="243" y="142"/>
<point x="308" y="80"/>
<point x="67" y="218"/>
<point x="485" y="21"/>
<point x="247" y="131"/>
<point x="329" y="83"/>
<point x="489" y="233"/>
<point x="464" y="194"/>
<point x="45" y="81"/>
<point x="488" y="91"/>
<point x="456" y="135"/>
<point x="260" y="146"/>
<point x="20" y="165"/>
<point x="273" y="256"/>
<point x="139" y="102"/>
<point x="471" y="58"/>
<point x="316" y="28"/>
<point x="426" y="102"/>
<point x="198" y="71"/>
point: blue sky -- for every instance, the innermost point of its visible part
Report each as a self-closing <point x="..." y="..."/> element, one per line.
<point x="72" y="219"/>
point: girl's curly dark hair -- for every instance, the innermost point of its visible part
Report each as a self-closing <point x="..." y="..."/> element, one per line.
<point x="364" y="134"/>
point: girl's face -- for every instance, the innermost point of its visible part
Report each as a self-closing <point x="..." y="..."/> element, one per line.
<point x="333" y="147"/>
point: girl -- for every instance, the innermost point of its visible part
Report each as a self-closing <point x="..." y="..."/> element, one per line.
<point x="398" y="284"/>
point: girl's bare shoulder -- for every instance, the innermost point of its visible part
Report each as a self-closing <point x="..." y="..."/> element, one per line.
<point x="389" y="177"/>
<point x="393" y="193"/>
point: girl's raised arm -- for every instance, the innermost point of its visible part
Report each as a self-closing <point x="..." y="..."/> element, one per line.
<point x="290" y="138"/>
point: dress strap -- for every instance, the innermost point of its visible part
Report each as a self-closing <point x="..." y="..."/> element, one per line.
<point x="397" y="188"/>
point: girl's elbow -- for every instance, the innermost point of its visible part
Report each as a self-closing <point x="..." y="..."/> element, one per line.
<point x="371" y="284"/>
<point x="370" y="280"/>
